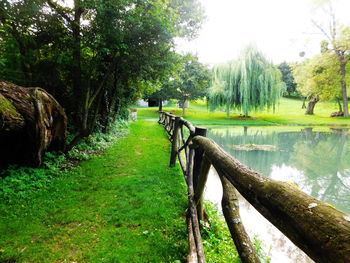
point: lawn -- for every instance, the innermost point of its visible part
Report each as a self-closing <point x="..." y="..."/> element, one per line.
<point x="125" y="205"/>
<point x="288" y="112"/>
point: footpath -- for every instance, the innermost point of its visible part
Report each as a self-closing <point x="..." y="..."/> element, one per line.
<point x="125" y="205"/>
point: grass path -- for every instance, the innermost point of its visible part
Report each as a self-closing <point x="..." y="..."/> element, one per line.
<point x="123" y="206"/>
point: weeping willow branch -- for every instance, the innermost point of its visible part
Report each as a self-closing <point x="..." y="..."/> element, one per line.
<point x="248" y="83"/>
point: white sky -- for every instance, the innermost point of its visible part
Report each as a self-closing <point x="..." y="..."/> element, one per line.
<point x="280" y="28"/>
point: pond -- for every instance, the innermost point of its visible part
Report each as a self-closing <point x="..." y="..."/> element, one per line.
<point x="316" y="159"/>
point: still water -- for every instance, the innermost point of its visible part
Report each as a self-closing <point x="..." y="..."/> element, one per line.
<point x="316" y="159"/>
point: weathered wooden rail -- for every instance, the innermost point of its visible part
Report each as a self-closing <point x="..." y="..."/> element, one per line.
<point x="316" y="227"/>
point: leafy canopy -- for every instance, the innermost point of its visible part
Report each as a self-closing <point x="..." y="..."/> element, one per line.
<point x="248" y="83"/>
<point x="319" y="77"/>
<point x="189" y="79"/>
<point x="287" y="77"/>
<point x="95" y="56"/>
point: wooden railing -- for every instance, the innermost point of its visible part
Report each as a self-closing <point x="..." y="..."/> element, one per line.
<point x="316" y="227"/>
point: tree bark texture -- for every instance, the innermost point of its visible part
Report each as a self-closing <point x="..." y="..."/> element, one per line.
<point x="342" y="62"/>
<point x="192" y="252"/>
<point x="199" y="190"/>
<point x="31" y="122"/>
<point x="311" y="106"/>
<point x="193" y="211"/>
<point x="160" y="104"/>
<point x="316" y="227"/>
<point x="339" y="104"/>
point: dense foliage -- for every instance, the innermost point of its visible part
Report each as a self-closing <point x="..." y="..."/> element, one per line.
<point x="324" y="76"/>
<point x="189" y="80"/>
<point x="319" y="76"/>
<point x="336" y="43"/>
<point x="96" y="57"/>
<point x="288" y="78"/>
<point x="249" y="83"/>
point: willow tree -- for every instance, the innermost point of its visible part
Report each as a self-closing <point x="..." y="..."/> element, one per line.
<point x="249" y="83"/>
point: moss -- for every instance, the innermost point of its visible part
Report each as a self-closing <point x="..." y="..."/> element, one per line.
<point x="7" y="108"/>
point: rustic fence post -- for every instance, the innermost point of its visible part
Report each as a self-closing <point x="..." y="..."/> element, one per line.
<point x="197" y="168"/>
<point x="160" y="117"/>
<point x="192" y="211"/>
<point x="174" y="142"/>
<point x="230" y="209"/>
<point x="198" y="156"/>
<point x="198" y="197"/>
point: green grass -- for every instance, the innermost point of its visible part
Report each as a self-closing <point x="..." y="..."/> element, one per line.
<point x="217" y="241"/>
<point x="288" y="112"/>
<point x="125" y="205"/>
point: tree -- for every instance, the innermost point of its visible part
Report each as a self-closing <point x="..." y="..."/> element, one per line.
<point x="338" y="39"/>
<point x="165" y="92"/>
<point x="287" y="77"/>
<point x="189" y="80"/>
<point x="97" y="56"/>
<point x="31" y="122"/>
<point x="318" y="78"/>
<point x="192" y="81"/>
<point x="249" y="83"/>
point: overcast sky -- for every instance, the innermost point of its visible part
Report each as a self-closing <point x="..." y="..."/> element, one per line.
<point x="280" y="28"/>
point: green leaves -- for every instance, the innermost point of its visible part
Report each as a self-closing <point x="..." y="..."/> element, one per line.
<point x="287" y="77"/>
<point x="93" y="50"/>
<point x="249" y="83"/>
<point x="319" y="76"/>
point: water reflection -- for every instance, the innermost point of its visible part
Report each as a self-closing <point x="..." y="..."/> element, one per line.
<point x="318" y="161"/>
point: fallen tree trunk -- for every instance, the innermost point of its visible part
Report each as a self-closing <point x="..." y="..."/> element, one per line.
<point x="316" y="227"/>
<point x="31" y="123"/>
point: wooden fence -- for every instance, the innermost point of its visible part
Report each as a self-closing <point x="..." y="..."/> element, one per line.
<point x="316" y="227"/>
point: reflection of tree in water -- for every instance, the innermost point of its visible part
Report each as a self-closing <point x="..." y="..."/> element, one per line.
<point x="326" y="165"/>
<point x="323" y="157"/>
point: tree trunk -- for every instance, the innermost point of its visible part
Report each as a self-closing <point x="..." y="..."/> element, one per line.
<point x="343" y="62"/>
<point x="160" y="104"/>
<point x="31" y="122"/>
<point x="339" y="105"/>
<point x="345" y="101"/>
<point x="76" y="65"/>
<point x="304" y="103"/>
<point x="227" y="110"/>
<point x="311" y="106"/>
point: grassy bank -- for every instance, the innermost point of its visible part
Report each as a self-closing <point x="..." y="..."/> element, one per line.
<point x="288" y="112"/>
<point x="125" y="205"/>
